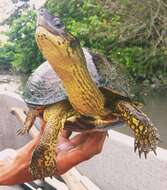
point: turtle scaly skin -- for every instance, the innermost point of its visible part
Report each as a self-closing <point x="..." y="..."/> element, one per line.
<point x="146" y="135"/>
<point x="63" y="52"/>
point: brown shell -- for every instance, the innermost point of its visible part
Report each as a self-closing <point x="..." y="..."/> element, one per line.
<point x="44" y="87"/>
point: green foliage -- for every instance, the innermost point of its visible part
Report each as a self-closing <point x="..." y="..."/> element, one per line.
<point x="129" y="32"/>
<point x="139" y="64"/>
<point x="25" y="56"/>
<point x="88" y="21"/>
<point x="6" y="56"/>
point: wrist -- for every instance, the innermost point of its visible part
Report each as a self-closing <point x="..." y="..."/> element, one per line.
<point x="16" y="170"/>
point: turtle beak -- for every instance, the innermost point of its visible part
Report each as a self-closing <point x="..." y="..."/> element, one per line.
<point x="40" y="17"/>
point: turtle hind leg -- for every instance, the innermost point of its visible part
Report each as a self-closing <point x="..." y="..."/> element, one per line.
<point x="146" y="135"/>
<point x="29" y="121"/>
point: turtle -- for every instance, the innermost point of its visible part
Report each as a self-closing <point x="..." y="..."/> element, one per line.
<point x="46" y="97"/>
<point x="94" y="101"/>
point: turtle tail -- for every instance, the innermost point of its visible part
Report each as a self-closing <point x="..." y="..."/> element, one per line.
<point x="146" y="135"/>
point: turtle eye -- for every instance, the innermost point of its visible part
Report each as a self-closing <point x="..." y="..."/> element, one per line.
<point x="42" y="11"/>
<point x="57" y="23"/>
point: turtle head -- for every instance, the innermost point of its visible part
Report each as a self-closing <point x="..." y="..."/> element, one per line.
<point x="54" y="41"/>
<point x="50" y="22"/>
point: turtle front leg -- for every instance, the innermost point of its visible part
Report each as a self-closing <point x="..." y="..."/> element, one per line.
<point x="43" y="163"/>
<point x="29" y="121"/>
<point x="146" y="140"/>
<point x="146" y="135"/>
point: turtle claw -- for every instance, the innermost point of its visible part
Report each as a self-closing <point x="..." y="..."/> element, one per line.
<point x="23" y="131"/>
<point x="147" y="142"/>
<point x="154" y="151"/>
<point x="140" y="152"/>
<point x="43" y="163"/>
<point x="135" y="146"/>
<point x="145" y="155"/>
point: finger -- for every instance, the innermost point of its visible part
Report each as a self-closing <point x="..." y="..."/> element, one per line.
<point x="43" y="124"/>
<point x="65" y="134"/>
<point x="63" y="137"/>
<point x="64" y="147"/>
<point x="86" y="137"/>
<point x="93" y="144"/>
<point x="64" y="143"/>
<point x="95" y="137"/>
<point x="67" y="160"/>
<point x="101" y="142"/>
<point x="79" y="138"/>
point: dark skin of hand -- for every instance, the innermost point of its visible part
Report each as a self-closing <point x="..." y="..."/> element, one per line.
<point x="70" y="152"/>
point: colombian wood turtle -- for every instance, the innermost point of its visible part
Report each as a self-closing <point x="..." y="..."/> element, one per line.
<point x="78" y="90"/>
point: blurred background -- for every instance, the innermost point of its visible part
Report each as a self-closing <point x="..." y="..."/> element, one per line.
<point x="130" y="33"/>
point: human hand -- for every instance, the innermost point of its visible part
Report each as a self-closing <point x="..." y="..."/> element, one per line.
<point x="70" y="152"/>
<point x="81" y="147"/>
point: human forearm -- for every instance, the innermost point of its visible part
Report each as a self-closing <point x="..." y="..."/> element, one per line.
<point x="70" y="152"/>
<point x="16" y="171"/>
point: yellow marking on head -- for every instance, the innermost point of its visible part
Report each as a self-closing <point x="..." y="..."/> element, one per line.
<point x="137" y="131"/>
<point x="42" y="34"/>
<point x="129" y="122"/>
<point x="57" y="49"/>
<point x="141" y="127"/>
<point x="65" y="55"/>
<point x="145" y="130"/>
<point x="125" y="114"/>
<point x="132" y="126"/>
<point x="146" y="141"/>
<point x="135" y="121"/>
